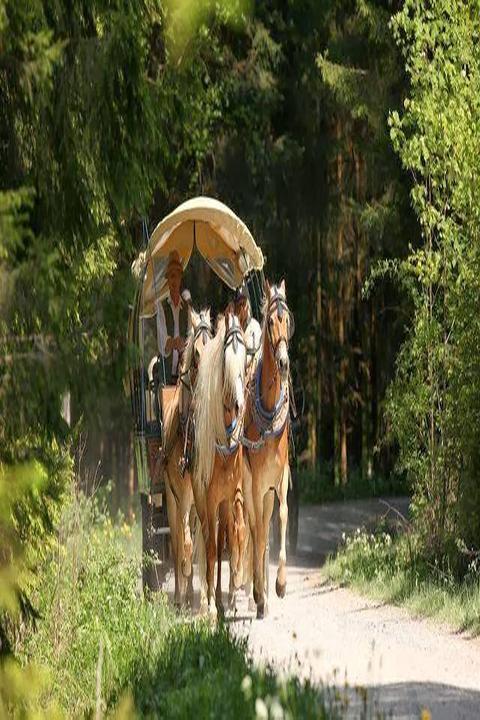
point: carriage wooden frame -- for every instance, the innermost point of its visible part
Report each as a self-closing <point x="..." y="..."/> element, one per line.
<point x="211" y="228"/>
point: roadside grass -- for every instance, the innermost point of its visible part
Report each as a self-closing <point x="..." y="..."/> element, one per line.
<point x="105" y="650"/>
<point x="392" y="570"/>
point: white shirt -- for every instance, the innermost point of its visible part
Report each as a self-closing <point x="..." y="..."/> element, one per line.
<point x="253" y="338"/>
<point x="162" y="336"/>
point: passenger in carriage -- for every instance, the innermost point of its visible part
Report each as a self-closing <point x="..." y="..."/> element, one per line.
<point x="173" y="321"/>
<point x="250" y="326"/>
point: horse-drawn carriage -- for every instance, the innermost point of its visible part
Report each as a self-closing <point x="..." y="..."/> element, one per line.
<point x="207" y="227"/>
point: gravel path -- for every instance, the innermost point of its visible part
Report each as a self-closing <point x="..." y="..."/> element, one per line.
<point x="332" y="634"/>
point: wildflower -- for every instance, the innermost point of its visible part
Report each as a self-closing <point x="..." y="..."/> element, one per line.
<point x="246" y="687"/>
<point x="261" y="710"/>
<point x="276" y="710"/>
<point x="426" y="714"/>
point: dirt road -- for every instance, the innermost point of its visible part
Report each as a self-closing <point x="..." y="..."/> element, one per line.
<point x="330" y="634"/>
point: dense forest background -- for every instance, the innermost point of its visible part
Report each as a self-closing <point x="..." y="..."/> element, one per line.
<point x="345" y="133"/>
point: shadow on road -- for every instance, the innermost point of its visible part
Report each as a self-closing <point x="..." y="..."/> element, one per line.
<point x="407" y="700"/>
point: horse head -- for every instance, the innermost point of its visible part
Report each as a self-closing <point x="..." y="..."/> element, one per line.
<point x="279" y="325"/>
<point x="202" y="333"/>
<point x="234" y="363"/>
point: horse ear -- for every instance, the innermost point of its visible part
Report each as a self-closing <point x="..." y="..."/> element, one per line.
<point x="267" y="288"/>
<point x="281" y="287"/>
<point x="195" y="317"/>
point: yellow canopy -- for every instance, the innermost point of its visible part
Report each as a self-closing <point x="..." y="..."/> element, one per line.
<point x="218" y="234"/>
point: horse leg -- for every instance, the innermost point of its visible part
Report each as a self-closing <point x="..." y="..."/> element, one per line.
<point x="259" y="555"/>
<point x="172" y="521"/>
<point x="187" y="541"/>
<point x="192" y="519"/>
<point x="180" y="577"/>
<point x="268" y="503"/>
<point x="250" y="511"/>
<point x="235" y="580"/>
<point x="222" y="531"/>
<point x="282" y="490"/>
<point x="201" y="537"/>
<point x="211" y="554"/>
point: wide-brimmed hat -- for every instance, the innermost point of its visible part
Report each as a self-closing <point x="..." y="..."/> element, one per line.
<point x="174" y="263"/>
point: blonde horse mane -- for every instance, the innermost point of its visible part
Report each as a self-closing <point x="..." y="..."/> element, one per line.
<point x="216" y="380"/>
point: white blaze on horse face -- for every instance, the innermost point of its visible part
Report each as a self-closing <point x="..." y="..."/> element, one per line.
<point x="235" y="359"/>
<point x="281" y="352"/>
<point x="282" y="359"/>
<point x="239" y="394"/>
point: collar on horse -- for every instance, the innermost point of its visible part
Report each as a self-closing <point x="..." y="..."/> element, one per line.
<point x="269" y="423"/>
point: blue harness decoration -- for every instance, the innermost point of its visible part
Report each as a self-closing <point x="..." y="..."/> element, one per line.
<point x="269" y="423"/>
<point x="229" y="449"/>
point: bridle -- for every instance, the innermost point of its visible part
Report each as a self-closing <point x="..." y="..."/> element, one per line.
<point x="204" y="331"/>
<point x="278" y="304"/>
<point x="234" y="337"/>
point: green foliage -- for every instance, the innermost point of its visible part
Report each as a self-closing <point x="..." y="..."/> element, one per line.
<point x="30" y="494"/>
<point x="316" y="485"/>
<point x="103" y="645"/>
<point x="435" y="400"/>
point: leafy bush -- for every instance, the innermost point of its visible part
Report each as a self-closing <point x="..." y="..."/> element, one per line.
<point x="106" y="649"/>
<point x="394" y="568"/>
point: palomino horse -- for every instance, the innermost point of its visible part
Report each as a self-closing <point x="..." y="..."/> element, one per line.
<point x="266" y="465"/>
<point x="253" y="334"/>
<point x="177" y="434"/>
<point x="219" y="402"/>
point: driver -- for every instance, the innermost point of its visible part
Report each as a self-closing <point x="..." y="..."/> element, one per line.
<point x="173" y="320"/>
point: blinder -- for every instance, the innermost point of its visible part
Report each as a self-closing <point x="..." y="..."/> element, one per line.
<point x="279" y="305"/>
<point x="234" y="336"/>
<point x="203" y="329"/>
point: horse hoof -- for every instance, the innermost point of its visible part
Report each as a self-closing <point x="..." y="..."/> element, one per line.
<point x="251" y="605"/>
<point x="220" y="610"/>
<point x="186" y="568"/>
<point x="212" y="611"/>
<point x="280" y="588"/>
<point x="260" y="611"/>
<point x="232" y="602"/>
